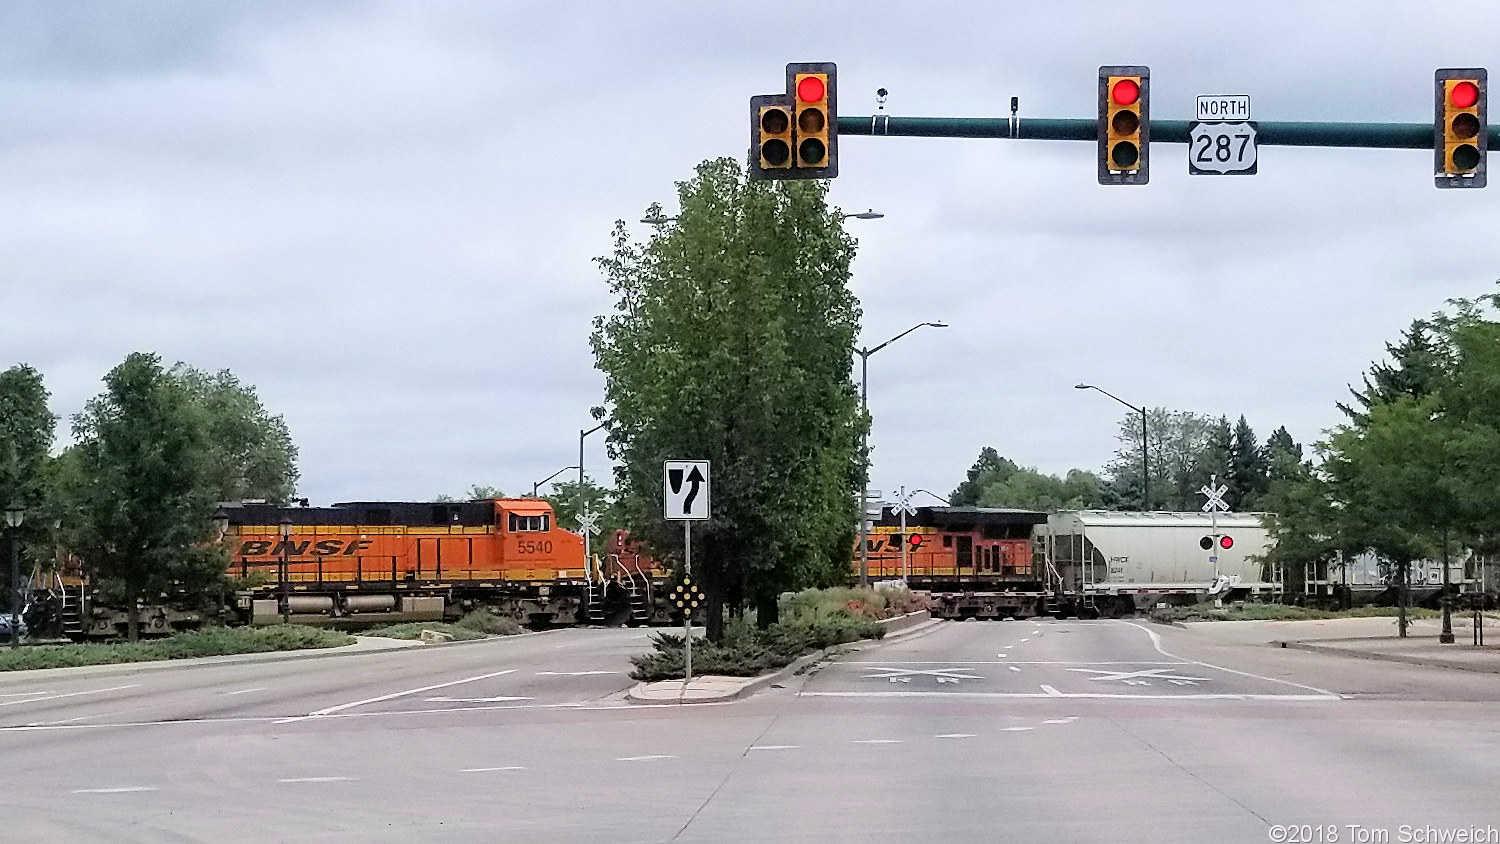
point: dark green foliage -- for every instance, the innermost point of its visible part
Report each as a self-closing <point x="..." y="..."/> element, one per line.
<point x="732" y="340"/>
<point x="26" y="431"/>
<point x="746" y="651"/>
<point x="211" y="642"/>
<point x="987" y="471"/>
<point x="250" y="452"/>
<point x="140" y="496"/>
<point x="1249" y="469"/>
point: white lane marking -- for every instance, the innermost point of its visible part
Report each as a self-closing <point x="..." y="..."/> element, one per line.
<point x="1055" y="694"/>
<point x="1048" y="691"/>
<point x="572" y="673"/>
<point x="1027" y="639"/>
<point x="21" y="694"/>
<point x="1156" y="642"/>
<point x="245" y="691"/>
<point x="315" y="779"/>
<point x="1016" y="729"/>
<point x="70" y="694"/>
<point x="859" y="662"/>
<point x="126" y="789"/>
<point x="1060" y="720"/>
<point x="1001" y="655"/>
<point x="1014" y="667"/>
<point x="54" y="723"/>
<point x="641" y="758"/>
<point x="774" y="747"/>
<point x="487" y="770"/>
<point x="341" y="707"/>
<point x="876" y="741"/>
<point x="955" y="735"/>
<point x="901" y="674"/>
<point x="501" y="699"/>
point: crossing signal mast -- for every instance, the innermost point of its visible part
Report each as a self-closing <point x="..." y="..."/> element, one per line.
<point x="1124" y="125"/>
<point x="795" y="135"/>
<point x="1460" y="131"/>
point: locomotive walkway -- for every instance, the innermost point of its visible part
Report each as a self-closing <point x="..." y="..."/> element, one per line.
<point x="1030" y="731"/>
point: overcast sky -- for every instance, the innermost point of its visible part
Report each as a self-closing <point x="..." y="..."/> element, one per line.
<point x="383" y="214"/>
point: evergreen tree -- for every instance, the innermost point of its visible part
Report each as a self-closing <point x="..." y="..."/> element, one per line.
<point x="989" y="469"/>
<point x="1249" y="470"/>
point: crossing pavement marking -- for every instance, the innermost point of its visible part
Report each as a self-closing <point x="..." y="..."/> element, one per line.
<point x="1016" y="729"/>
<point x="1014" y="667"/>
<point x="487" y="770"/>
<point x="955" y="735"/>
<point x="341" y="707"/>
<point x="641" y="758"/>
<point x="124" y="789"/>
<point x="316" y="779"/>
<point x="876" y="741"/>
<point x="773" y="747"/>
<point x="1139" y="677"/>
<point x="70" y="694"/>
<point x="500" y="699"/>
<point x="902" y="675"/>
<point x="1060" y="720"/>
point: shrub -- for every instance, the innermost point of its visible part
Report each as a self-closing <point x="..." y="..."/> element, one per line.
<point x="413" y="630"/>
<point x="213" y="641"/>
<point x="484" y="621"/>
<point x="746" y="652"/>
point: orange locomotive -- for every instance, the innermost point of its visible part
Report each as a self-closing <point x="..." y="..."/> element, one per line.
<point x="379" y="561"/>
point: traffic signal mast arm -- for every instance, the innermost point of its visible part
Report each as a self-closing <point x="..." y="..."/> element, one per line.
<point x="1279" y="133"/>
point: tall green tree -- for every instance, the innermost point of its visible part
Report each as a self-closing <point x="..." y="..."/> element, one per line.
<point x="732" y="340"/>
<point x="988" y="469"/>
<point x="570" y="498"/>
<point x="26" y="431"/>
<point x="143" y="494"/>
<point x="1418" y="363"/>
<point x="1249" y="469"/>
<point x="1176" y="443"/>
<point x="250" y="451"/>
<point x="1029" y="489"/>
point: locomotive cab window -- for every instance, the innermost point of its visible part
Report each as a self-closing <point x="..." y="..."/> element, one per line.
<point x="519" y="523"/>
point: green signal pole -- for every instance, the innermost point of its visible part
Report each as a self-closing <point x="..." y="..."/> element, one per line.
<point x="1268" y="133"/>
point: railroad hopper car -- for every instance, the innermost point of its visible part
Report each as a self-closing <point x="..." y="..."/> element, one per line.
<point x="401" y="561"/>
<point x="1121" y="562"/>
<point x="976" y="562"/>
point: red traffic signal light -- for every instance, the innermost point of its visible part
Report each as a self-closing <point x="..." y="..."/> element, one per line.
<point x="1124" y="124"/>
<point x="1207" y="542"/>
<point x="1460" y="127"/>
<point x="1226" y="542"/>
<point x="795" y="135"/>
<point x="915" y="540"/>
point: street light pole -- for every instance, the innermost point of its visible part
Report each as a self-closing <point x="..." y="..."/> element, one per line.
<point x="1145" y="464"/>
<point x="538" y="484"/>
<point x="15" y="514"/>
<point x="864" y="443"/>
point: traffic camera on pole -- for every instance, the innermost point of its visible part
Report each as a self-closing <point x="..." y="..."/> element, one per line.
<point x="795" y="135"/>
<point x="1124" y="124"/>
<point x="1461" y="133"/>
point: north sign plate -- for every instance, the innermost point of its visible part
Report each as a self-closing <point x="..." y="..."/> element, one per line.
<point x="1222" y="149"/>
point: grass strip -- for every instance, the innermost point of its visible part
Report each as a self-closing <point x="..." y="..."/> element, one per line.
<point x="218" y="641"/>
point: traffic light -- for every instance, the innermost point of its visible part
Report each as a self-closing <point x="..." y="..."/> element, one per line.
<point x="1207" y="542"/>
<point x="1460" y="130"/>
<point x="771" y="127"/>
<point x="795" y="135"/>
<point x="1226" y="542"/>
<point x="915" y="540"/>
<point x="1124" y="124"/>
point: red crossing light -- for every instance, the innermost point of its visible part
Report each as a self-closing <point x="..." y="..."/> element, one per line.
<point x="1226" y="542"/>
<point x="916" y="540"/>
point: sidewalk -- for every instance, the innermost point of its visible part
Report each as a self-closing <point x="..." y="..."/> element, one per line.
<point x="1370" y="638"/>
<point x="717" y="689"/>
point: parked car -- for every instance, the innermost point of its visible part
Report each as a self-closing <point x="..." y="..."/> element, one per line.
<point x="5" y="626"/>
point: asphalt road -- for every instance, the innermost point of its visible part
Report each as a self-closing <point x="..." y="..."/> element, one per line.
<point x="1028" y="731"/>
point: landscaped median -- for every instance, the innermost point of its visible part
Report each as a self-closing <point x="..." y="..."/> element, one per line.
<point x="219" y="641"/>
<point x="478" y="624"/>
<point x="812" y="622"/>
<point x="1252" y="611"/>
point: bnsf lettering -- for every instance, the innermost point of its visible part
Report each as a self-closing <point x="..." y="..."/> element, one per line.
<point x="324" y="548"/>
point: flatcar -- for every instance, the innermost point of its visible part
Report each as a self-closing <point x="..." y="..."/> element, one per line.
<point x="376" y="561"/>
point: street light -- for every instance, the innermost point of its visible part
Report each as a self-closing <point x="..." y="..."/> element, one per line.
<point x="538" y="484"/>
<point x="286" y="542"/>
<point x="864" y="441"/>
<point x="221" y="523"/>
<point x="581" y="434"/>
<point x="15" y="514"/>
<point x="931" y="493"/>
<point x="1145" y="466"/>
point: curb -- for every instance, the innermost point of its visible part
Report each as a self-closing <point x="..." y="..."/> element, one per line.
<point x="796" y="666"/>
<point x="1169" y="623"/>
<point x="261" y="658"/>
<point x="1384" y="657"/>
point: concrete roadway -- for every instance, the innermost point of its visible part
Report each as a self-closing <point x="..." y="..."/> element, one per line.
<point x="1031" y="731"/>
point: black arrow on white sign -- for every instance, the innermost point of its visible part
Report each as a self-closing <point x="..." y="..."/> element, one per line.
<point x="695" y="478"/>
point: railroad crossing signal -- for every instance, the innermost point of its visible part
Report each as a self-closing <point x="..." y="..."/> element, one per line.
<point x="686" y="596"/>
<point x="1124" y="124"/>
<point x="1460" y="130"/>
<point x="1215" y="497"/>
<point x="795" y="135"/>
<point x="589" y="523"/>
<point x="1207" y="542"/>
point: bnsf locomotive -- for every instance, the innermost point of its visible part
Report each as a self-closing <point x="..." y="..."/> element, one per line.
<point x="379" y="561"/>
